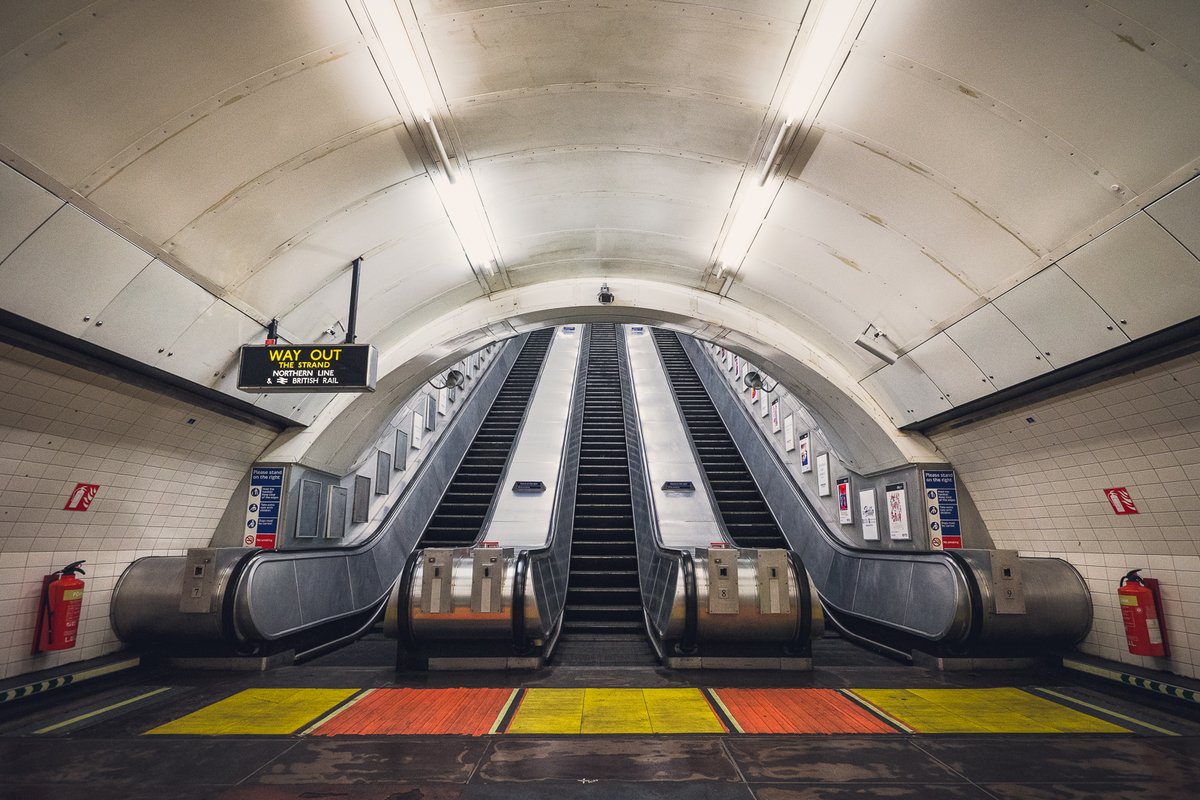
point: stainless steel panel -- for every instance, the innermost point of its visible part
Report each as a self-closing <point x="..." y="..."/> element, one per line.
<point x="436" y="575"/>
<point x="1140" y="274"/>
<point x="905" y="392"/>
<point x="524" y="521"/>
<point x="1061" y="320"/>
<point x="773" y="570"/>
<point x="26" y="206"/>
<point x="994" y="343"/>
<point x="1178" y="213"/>
<point x="488" y="568"/>
<point x="722" y="566"/>
<point x="150" y="314"/>
<point x="383" y="473"/>
<point x="361" y="509"/>
<point x="1008" y="590"/>
<point x="69" y="268"/>
<point x="955" y="374"/>
<point x="199" y="580"/>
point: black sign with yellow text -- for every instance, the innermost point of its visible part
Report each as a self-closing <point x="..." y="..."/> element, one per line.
<point x="308" y="368"/>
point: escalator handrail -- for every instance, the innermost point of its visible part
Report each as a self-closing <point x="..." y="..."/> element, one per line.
<point x="926" y="556"/>
<point x="236" y="588"/>
<point x="566" y="472"/>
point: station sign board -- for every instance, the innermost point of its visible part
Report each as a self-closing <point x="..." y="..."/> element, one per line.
<point x="308" y="368"/>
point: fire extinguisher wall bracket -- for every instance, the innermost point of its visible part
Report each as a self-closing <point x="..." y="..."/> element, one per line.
<point x="59" y="610"/>
<point x="1141" y="613"/>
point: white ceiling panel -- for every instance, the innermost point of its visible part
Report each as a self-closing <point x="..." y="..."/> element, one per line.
<point x="1140" y="275"/>
<point x="927" y="213"/>
<point x="958" y="377"/>
<point x="303" y="266"/>
<point x="26" y="206"/>
<point x="717" y="51"/>
<point x="33" y="18"/>
<point x="582" y="245"/>
<point x="1024" y="53"/>
<point x="1179" y="213"/>
<point x="998" y="347"/>
<point x="600" y="172"/>
<point x="178" y="179"/>
<point x="235" y="235"/>
<point x="990" y="161"/>
<point x="609" y="118"/>
<point x="861" y="257"/>
<point x="1059" y="318"/>
<point x="905" y="392"/>
<point x="71" y="267"/>
<point x="149" y="313"/>
<point x="209" y="346"/>
<point x="122" y="69"/>
<point x="653" y="214"/>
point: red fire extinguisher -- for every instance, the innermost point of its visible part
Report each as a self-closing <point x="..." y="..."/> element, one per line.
<point x="1141" y="611"/>
<point x="58" y="614"/>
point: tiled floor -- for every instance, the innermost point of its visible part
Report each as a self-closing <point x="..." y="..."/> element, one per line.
<point x="369" y="732"/>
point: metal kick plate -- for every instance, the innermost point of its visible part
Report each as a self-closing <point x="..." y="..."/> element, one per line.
<point x="723" y="581"/>
<point x="436" y="581"/>
<point x="199" y="578"/>
<point x="773" y="571"/>
<point x="487" y="579"/>
<point x="1007" y="587"/>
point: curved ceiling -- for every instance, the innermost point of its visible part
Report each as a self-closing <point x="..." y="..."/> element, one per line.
<point x="990" y="186"/>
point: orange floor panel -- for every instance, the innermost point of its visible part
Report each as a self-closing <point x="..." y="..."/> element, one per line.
<point x="798" y="711"/>
<point x="470" y="712"/>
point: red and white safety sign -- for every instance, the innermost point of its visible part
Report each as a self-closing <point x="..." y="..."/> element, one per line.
<point x="82" y="497"/>
<point x="1120" y="500"/>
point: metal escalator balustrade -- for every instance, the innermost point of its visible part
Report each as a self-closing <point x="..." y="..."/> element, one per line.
<point x="604" y="602"/>
<point x="461" y="514"/>
<point x="748" y="520"/>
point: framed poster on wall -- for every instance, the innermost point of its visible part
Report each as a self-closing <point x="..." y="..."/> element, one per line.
<point x="845" y="514"/>
<point x="897" y="511"/>
<point x="764" y="407"/>
<point x="776" y="422"/>
<point x="805" y="454"/>
<point x="823" y="475"/>
<point x="789" y="432"/>
<point x="867" y="511"/>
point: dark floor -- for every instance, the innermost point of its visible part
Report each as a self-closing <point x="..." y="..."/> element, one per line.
<point x="106" y="756"/>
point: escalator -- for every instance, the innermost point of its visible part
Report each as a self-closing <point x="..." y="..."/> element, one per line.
<point x="746" y="515"/>
<point x="603" y="623"/>
<point x="461" y="513"/>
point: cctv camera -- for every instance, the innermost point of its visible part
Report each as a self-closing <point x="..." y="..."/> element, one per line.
<point x="605" y="295"/>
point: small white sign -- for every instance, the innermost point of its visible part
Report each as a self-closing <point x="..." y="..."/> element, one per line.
<point x="866" y="510"/>
<point x="443" y="401"/>
<point x="805" y="454"/>
<point x="823" y="475"/>
<point x="897" y="511"/>
<point x="418" y="428"/>
<point x="789" y="432"/>
<point x="776" y="422"/>
<point x="764" y="405"/>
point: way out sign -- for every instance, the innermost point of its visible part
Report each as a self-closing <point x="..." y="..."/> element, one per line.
<point x="308" y="368"/>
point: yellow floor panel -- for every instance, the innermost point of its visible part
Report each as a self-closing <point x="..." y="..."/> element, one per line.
<point x="258" y="711"/>
<point x="681" y="711"/>
<point x="549" y="711"/>
<point x="600" y="711"/>
<point x="1003" y="710"/>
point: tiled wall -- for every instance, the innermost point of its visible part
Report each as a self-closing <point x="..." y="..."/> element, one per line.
<point x="166" y="470"/>
<point x="1037" y="476"/>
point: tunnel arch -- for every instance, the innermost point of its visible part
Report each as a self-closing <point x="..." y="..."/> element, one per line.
<point x="863" y="435"/>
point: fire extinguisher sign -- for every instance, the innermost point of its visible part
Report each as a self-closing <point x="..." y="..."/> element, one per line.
<point x="264" y="502"/>
<point x="1121" y="501"/>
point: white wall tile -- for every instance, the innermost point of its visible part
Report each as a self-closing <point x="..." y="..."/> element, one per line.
<point x="1139" y="431"/>
<point x="164" y="484"/>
